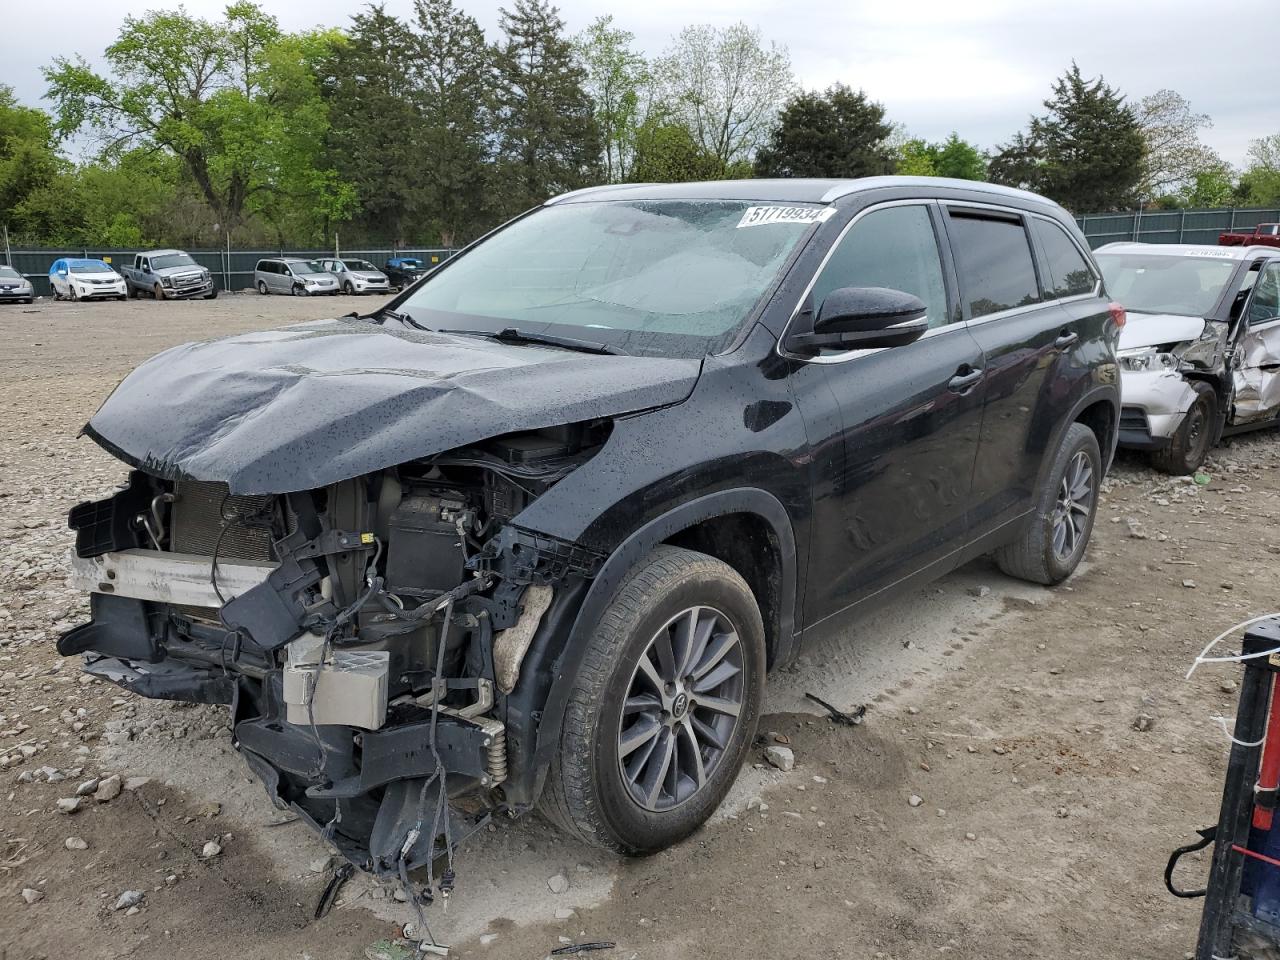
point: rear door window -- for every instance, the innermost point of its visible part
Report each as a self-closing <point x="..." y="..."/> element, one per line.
<point x="1070" y="274"/>
<point x="993" y="258"/>
<point x="893" y="247"/>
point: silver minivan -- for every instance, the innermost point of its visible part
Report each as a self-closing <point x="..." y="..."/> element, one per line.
<point x="301" y="278"/>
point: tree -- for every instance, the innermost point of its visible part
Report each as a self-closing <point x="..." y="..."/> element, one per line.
<point x="1087" y="152"/>
<point x="29" y="158"/>
<point x="1260" y="182"/>
<point x="217" y="95"/>
<point x="915" y="159"/>
<point x="1174" y="154"/>
<point x="666" y="152"/>
<point x="725" y="87"/>
<point x="839" y="133"/>
<point x="376" y="120"/>
<point x="1213" y="186"/>
<point x="959" y="159"/>
<point x="456" y="79"/>
<point x="616" y="77"/>
<point x="546" y="127"/>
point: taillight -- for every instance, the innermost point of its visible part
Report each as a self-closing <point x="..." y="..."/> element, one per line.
<point x="1117" y="314"/>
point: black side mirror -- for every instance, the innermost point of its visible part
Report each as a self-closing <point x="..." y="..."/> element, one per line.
<point x="863" y="317"/>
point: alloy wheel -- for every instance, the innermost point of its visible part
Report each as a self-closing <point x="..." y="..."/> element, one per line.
<point x="1071" y="510"/>
<point x="682" y="707"/>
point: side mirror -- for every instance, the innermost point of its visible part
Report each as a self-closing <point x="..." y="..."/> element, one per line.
<point x="864" y="317"/>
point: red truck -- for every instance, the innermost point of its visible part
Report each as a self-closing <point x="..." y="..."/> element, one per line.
<point x="1264" y="234"/>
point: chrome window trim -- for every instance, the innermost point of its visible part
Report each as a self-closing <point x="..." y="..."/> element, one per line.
<point x="857" y="353"/>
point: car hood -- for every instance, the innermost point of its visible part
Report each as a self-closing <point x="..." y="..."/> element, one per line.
<point x="368" y="274"/>
<point x="174" y="271"/>
<point x="308" y="405"/>
<point x="1154" y="329"/>
<point x="95" y="276"/>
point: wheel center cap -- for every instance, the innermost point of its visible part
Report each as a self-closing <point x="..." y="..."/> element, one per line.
<point x="679" y="705"/>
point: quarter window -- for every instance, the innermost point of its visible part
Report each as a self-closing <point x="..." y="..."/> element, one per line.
<point x="1069" y="272"/>
<point x="994" y="261"/>
<point x="894" y="247"/>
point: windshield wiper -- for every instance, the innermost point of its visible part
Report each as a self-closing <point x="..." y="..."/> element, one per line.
<point x="402" y="317"/>
<point x="512" y="335"/>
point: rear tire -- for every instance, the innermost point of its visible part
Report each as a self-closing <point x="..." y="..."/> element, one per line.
<point x="643" y="761"/>
<point x="1190" y="442"/>
<point x="1054" y="541"/>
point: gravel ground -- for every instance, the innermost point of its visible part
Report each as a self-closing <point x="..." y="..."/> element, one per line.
<point x="1028" y="759"/>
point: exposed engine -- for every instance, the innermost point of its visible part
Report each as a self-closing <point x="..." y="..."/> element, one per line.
<point x="364" y="635"/>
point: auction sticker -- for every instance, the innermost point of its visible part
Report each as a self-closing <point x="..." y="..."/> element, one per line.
<point x="759" y="216"/>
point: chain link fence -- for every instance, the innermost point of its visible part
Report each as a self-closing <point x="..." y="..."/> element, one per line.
<point x="231" y="269"/>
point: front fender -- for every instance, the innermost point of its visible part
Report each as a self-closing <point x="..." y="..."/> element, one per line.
<point x="544" y="706"/>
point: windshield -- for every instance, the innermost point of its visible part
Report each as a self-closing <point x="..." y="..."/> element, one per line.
<point x="358" y="265"/>
<point x="88" y="266"/>
<point x="306" y="266"/>
<point x="664" y="277"/>
<point x="1152" y="283"/>
<point x="172" y="260"/>
<point x="10" y="274"/>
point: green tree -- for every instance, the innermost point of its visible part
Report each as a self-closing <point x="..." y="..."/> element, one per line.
<point x="839" y="133"/>
<point x="1260" y="182"/>
<point x="1087" y="152"/>
<point x="29" y="158"/>
<point x="617" y="76"/>
<point x="546" y="128"/>
<point x="725" y="87"/>
<point x="666" y="152"/>
<point x="1213" y="186"/>
<point x="228" y="98"/>
<point x="915" y="159"/>
<point x="959" y="159"/>
<point x="455" y="80"/>
<point x="375" y="121"/>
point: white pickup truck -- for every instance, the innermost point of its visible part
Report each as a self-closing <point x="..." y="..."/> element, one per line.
<point x="168" y="275"/>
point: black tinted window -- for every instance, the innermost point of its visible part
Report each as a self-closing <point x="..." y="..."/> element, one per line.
<point x="895" y="248"/>
<point x="994" y="262"/>
<point x="1069" y="272"/>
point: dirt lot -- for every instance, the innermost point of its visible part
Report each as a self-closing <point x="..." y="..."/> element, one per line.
<point x="1043" y="816"/>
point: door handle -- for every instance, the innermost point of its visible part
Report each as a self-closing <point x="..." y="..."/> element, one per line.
<point x="961" y="382"/>
<point x="1065" y="339"/>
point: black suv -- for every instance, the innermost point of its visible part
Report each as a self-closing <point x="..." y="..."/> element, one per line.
<point x="534" y="533"/>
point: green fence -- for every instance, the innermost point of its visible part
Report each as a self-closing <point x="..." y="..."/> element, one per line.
<point x="231" y="269"/>
<point x="1172" y="226"/>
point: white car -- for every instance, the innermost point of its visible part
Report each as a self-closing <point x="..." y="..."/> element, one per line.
<point x="85" y="280"/>
<point x="1200" y="353"/>
<point x="358" y="276"/>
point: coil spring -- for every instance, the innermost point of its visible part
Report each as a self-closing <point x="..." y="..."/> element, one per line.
<point x="496" y="731"/>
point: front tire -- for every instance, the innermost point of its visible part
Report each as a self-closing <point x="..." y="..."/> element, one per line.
<point x="1053" y="543"/>
<point x="262" y="287"/>
<point x="1190" y="442"/>
<point x="299" y="291"/>
<point x="664" y="707"/>
<point x="158" y="291"/>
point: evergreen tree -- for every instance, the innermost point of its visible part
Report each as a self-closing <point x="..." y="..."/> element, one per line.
<point x="548" y="138"/>
<point x="375" y="123"/>
<point x="1087" y="153"/>
<point x="839" y="133"/>
<point x="455" y="80"/>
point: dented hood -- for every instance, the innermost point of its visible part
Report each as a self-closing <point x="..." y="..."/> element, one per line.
<point x="312" y="404"/>
<point x="1154" y="329"/>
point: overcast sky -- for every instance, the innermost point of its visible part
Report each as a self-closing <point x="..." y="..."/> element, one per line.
<point x="978" y="67"/>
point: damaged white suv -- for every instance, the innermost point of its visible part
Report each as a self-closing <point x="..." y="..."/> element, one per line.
<point x="1200" y="354"/>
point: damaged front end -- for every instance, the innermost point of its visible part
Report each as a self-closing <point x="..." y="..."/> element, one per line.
<point x="365" y="635"/>
<point x="1157" y="375"/>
